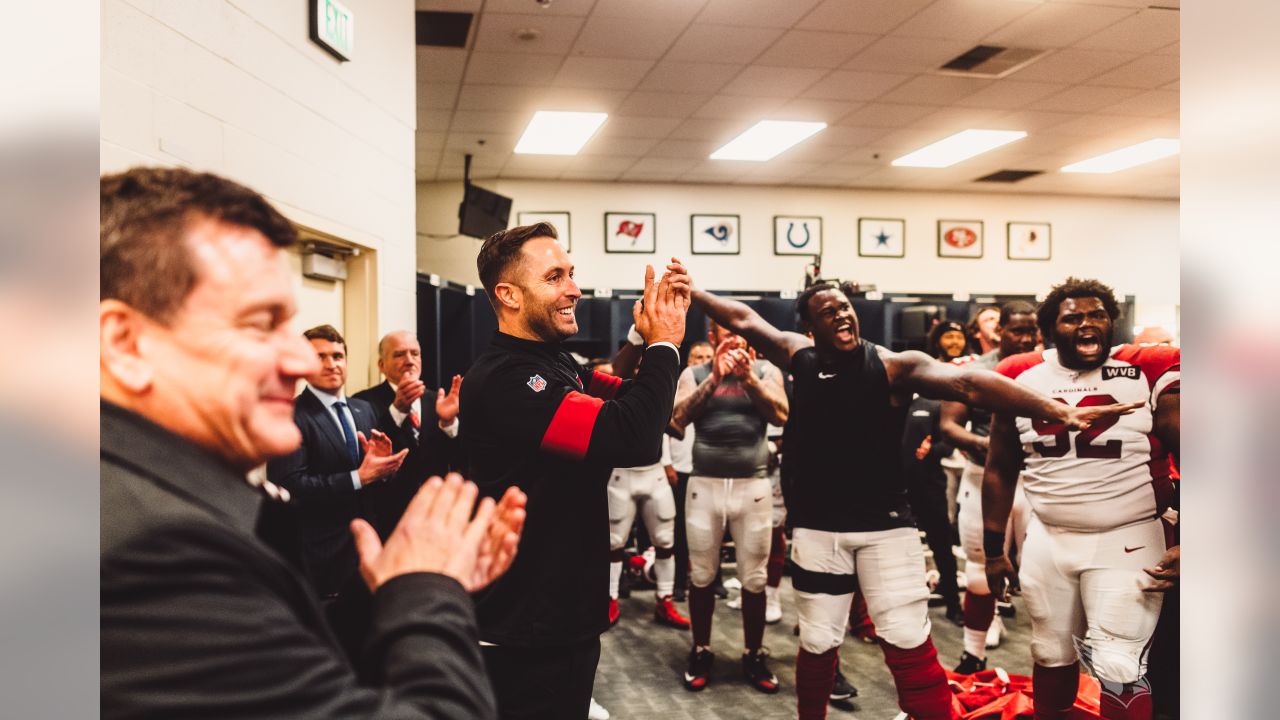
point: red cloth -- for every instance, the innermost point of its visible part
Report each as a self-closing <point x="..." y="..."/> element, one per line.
<point x="984" y="696"/>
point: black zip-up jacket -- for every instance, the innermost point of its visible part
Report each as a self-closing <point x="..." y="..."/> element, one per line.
<point x="534" y="418"/>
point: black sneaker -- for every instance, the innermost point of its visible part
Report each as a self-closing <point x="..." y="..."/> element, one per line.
<point x="757" y="673"/>
<point x="955" y="614"/>
<point x="843" y="689"/>
<point x="970" y="664"/>
<point x="695" y="678"/>
<point x="680" y="594"/>
<point x="720" y="590"/>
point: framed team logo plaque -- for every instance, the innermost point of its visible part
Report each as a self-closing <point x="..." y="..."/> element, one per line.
<point x="797" y="235"/>
<point x="1030" y="241"/>
<point x="557" y="219"/>
<point x="714" y="235"/>
<point x="960" y="238"/>
<point x="628" y="232"/>
<point x="882" y="237"/>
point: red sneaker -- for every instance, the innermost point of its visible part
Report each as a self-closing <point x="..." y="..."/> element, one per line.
<point x="666" y="613"/>
<point x="613" y="611"/>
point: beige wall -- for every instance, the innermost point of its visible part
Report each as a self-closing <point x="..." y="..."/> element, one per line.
<point x="237" y="87"/>
<point x="1132" y="244"/>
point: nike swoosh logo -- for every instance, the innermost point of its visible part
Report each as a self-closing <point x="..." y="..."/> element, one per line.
<point x="1128" y="549"/>
<point x="825" y="376"/>
<point x="759" y="498"/>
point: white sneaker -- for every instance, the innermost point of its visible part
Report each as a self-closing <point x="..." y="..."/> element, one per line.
<point x="772" y="605"/>
<point x="597" y="711"/>
<point x="995" y="632"/>
<point x="734" y="603"/>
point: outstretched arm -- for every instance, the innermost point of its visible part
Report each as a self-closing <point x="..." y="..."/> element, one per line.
<point x="916" y="372"/>
<point x="774" y="344"/>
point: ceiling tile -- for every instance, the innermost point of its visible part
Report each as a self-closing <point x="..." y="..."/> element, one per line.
<point x="601" y="163"/>
<point x="437" y="96"/>
<point x="1055" y="25"/>
<point x="814" y="49"/>
<point x="427" y="141"/>
<point x="507" y="69"/>
<point x="964" y="20"/>
<point x="1148" y="71"/>
<point x="637" y="127"/>
<point x="495" y="144"/>
<point x="935" y="89"/>
<point x="676" y="12"/>
<point x="722" y="43"/>
<point x="887" y="115"/>
<point x="1154" y="103"/>
<point x="434" y="120"/>
<point x="955" y="119"/>
<point x="907" y="54"/>
<point x="757" y="13"/>
<point x="1147" y="31"/>
<point x="559" y="7"/>
<point x="1073" y="65"/>
<point x="853" y="85"/>
<point x="486" y="121"/>
<point x="448" y="5"/>
<point x="440" y="65"/>
<point x="618" y="147"/>
<point x="827" y="111"/>
<point x="868" y="16"/>
<point x="603" y="73"/>
<point x="590" y="175"/>
<point x="780" y="82"/>
<point x="660" y="104"/>
<point x="1035" y="120"/>
<point x="739" y="107"/>
<point x="708" y="129"/>
<point x="644" y="39"/>
<point x="1085" y="98"/>
<point x="687" y="77"/>
<point x="497" y="33"/>
<point x="684" y="149"/>
<point x="662" y="164"/>
<point x="842" y="136"/>
<point x="1093" y="125"/>
<point x="1010" y="94"/>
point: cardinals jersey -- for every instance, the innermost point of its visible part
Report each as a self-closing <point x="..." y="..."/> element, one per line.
<point x="1114" y="473"/>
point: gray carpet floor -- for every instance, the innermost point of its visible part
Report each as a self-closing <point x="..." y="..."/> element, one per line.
<point x="641" y="664"/>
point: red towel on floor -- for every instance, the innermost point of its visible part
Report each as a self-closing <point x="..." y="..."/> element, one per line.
<point x="985" y="696"/>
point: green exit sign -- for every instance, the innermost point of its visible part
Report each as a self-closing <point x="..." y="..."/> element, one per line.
<point x="333" y="28"/>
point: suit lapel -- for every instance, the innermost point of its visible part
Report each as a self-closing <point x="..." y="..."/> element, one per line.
<point x="323" y="419"/>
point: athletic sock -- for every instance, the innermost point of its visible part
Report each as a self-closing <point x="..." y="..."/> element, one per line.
<point x="979" y="609"/>
<point x="702" y="604"/>
<point x="921" y="682"/>
<point x="664" y="573"/>
<point x="752" y="619"/>
<point x="615" y="575"/>
<point x="815" y="676"/>
<point x="777" y="558"/>
<point x="1132" y="703"/>
<point x="1054" y="691"/>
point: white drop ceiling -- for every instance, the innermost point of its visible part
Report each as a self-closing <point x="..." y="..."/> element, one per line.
<point x="679" y="78"/>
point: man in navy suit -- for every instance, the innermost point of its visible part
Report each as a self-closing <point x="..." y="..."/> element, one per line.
<point x="330" y="475"/>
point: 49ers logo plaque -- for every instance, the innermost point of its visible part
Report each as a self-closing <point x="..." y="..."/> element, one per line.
<point x="960" y="238"/>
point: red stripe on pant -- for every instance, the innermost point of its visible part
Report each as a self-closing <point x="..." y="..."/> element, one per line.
<point x="569" y="432"/>
<point x="921" y="682"/>
<point x="777" y="558"/>
<point x="815" y="676"/>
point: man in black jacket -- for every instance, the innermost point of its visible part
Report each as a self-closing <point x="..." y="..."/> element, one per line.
<point x="422" y="421"/>
<point x="200" y="618"/>
<point x="532" y="417"/>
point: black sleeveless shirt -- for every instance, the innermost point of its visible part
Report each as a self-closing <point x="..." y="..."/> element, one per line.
<point x="841" y="460"/>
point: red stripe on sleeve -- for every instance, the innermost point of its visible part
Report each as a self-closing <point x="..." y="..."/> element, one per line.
<point x="603" y="386"/>
<point x="570" y="430"/>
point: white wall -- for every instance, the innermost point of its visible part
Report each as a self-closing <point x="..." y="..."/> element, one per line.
<point x="1131" y="244"/>
<point x="238" y="88"/>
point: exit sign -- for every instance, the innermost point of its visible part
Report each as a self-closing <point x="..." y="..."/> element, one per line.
<point x="333" y="28"/>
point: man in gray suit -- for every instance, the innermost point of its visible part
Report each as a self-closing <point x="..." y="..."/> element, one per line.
<point x="199" y="616"/>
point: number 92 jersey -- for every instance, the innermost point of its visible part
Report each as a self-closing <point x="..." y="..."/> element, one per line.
<point x="1114" y="473"/>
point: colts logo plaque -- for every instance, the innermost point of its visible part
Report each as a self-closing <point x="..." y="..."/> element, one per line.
<point x="797" y="235"/>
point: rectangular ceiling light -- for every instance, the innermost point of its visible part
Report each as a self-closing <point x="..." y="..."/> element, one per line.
<point x="767" y="139"/>
<point x="559" y="133"/>
<point x="961" y="146"/>
<point x="1128" y="157"/>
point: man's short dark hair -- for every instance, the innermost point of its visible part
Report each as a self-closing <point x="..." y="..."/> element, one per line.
<point x="145" y="213"/>
<point x="325" y="332"/>
<point x="502" y="249"/>
<point x="1047" y="313"/>
<point x="802" y="300"/>
<point x="1015" y="307"/>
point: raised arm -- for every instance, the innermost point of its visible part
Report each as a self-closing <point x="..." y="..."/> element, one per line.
<point x="767" y="393"/>
<point x="774" y="344"/>
<point x="952" y="420"/>
<point x="692" y="396"/>
<point x="913" y="371"/>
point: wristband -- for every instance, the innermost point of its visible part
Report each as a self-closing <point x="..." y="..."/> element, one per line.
<point x="992" y="543"/>
<point x="634" y="337"/>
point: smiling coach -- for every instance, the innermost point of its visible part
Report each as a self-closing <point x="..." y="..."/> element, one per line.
<point x="532" y="417"/>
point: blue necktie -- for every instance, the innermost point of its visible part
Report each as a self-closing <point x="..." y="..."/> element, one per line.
<point x="349" y="434"/>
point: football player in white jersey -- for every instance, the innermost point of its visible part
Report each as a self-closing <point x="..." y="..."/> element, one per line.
<point x="1096" y="553"/>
